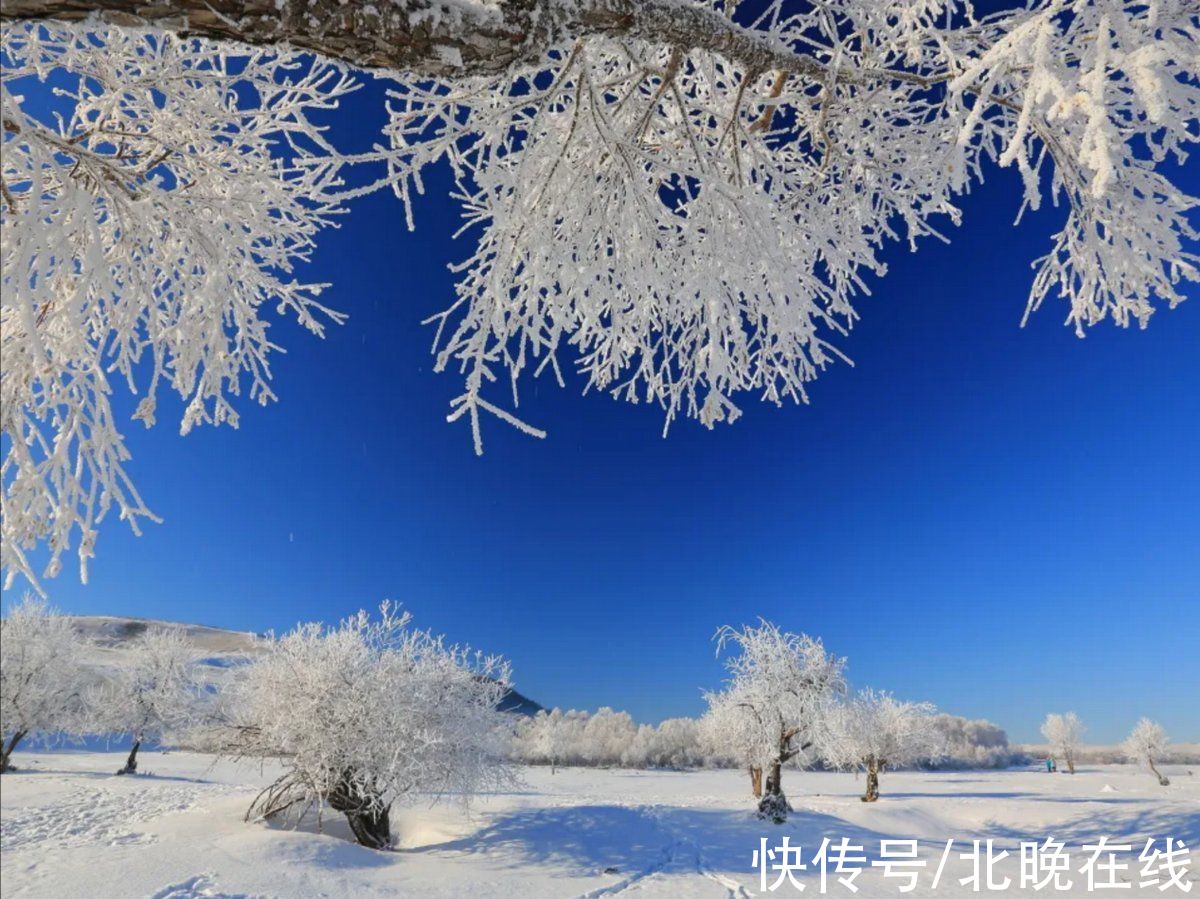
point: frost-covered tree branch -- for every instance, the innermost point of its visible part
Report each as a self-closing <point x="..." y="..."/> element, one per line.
<point x="680" y="199"/>
<point x="143" y="232"/>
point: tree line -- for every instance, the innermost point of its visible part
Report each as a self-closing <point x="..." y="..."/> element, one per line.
<point x="373" y="712"/>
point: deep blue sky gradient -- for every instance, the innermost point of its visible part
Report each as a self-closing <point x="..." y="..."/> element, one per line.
<point x="1000" y="520"/>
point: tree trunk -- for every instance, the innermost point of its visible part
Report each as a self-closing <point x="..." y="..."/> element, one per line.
<point x="1070" y="763"/>
<point x="8" y="750"/>
<point x="872" y="792"/>
<point x="774" y="806"/>
<point x="131" y="762"/>
<point x="371" y="827"/>
<point x="366" y="814"/>
<point x="1162" y="780"/>
<point x="756" y="782"/>
<point x="477" y="39"/>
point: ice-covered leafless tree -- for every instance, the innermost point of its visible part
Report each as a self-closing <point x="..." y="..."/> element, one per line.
<point x="772" y="709"/>
<point x="874" y="731"/>
<point x="1064" y="733"/>
<point x="155" y="689"/>
<point x="368" y="714"/>
<point x="1145" y="745"/>
<point x="41" y="676"/>
<point x="682" y="199"/>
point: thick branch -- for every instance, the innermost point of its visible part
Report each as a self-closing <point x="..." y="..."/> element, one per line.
<point x="433" y="37"/>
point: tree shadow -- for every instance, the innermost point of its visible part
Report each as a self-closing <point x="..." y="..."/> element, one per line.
<point x="110" y="775"/>
<point x="1150" y="823"/>
<point x="621" y="839"/>
<point x="1040" y="797"/>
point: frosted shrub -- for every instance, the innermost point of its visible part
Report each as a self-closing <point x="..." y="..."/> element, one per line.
<point x="370" y="713"/>
<point x="974" y="743"/>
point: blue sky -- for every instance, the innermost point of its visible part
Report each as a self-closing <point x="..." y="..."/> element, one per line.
<point x="999" y="520"/>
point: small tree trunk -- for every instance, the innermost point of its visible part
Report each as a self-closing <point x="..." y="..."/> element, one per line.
<point x="1070" y="763"/>
<point x="367" y="815"/>
<point x="8" y="750"/>
<point x="131" y="762"/>
<point x="756" y="782"/>
<point x="1162" y="780"/>
<point x="872" y="792"/>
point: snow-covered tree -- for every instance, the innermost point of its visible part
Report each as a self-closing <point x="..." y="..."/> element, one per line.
<point x="682" y="197"/>
<point x="368" y="713"/>
<point x="1145" y="744"/>
<point x="606" y="736"/>
<point x="973" y="743"/>
<point x="674" y="743"/>
<point x="728" y="731"/>
<point x="41" y="676"/>
<point x="874" y="731"/>
<point x="783" y="683"/>
<point x="545" y="738"/>
<point x="155" y="690"/>
<point x="1064" y="733"/>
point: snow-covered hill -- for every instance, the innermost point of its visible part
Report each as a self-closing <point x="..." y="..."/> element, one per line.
<point x="221" y="650"/>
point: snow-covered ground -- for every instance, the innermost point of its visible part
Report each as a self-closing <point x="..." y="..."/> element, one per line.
<point x="72" y="829"/>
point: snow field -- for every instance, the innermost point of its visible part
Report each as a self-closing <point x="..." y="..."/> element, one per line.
<point x="70" y="828"/>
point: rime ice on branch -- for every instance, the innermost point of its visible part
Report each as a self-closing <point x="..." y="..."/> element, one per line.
<point x="143" y="232"/>
<point x="680" y="198"/>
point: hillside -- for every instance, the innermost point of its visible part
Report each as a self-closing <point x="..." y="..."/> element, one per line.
<point x="221" y="650"/>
